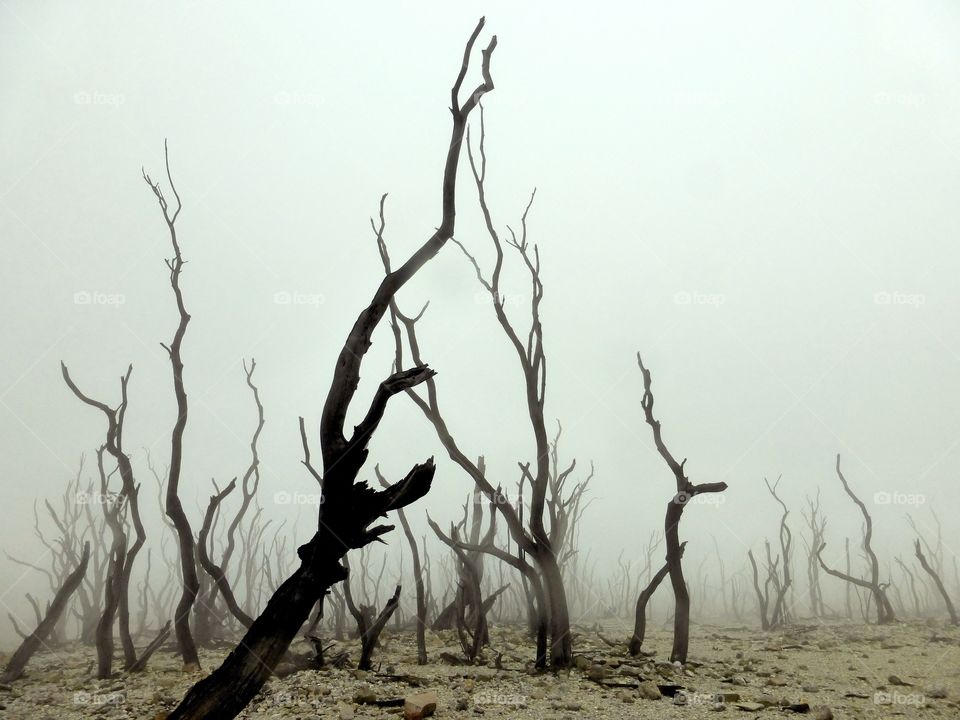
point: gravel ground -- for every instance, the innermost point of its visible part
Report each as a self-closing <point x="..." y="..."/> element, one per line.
<point x="838" y="670"/>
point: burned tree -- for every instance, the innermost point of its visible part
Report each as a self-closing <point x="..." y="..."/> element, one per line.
<point x="686" y="491"/>
<point x="539" y="538"/>
<point x="925" y="564"/>
<point x="173" y="506"/>
<point x="877" y="589"/>
<point x="250" y="482"/>
<point x="640" y="615"/>
<point x="467" y="612"/>
<point x="18" y="661"/>
<point x="369" y="626"/>
<point x="418" y="578"/>
<point x="349" y="507"/>
<point x="116" y="509"/>
<point x="780" y="614"/>
<point x="763" y="596"/>
<point x="816" y="523"/>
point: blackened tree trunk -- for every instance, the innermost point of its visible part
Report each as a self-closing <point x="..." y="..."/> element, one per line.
<point x="120" y="566"/>
<point x="640" y="614"/>
<point x="885" y="612"/>
<point x="937" y="581"/>
<point x="417" y="579"/>
<point x="174" y="508"/>
<point x="349" y="507"/>
<point x="20" y="658"/>
<point x="686" y="490"/>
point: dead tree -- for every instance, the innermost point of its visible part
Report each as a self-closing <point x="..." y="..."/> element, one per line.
<point x="640" y="614"/>
<point x="763" y="596"/>
<point x="925" y="564"/>
<point x="469" y="607"/>
<point x="368" y="626"/>
<point x="453" y="615"/>
<point x="534" y="538"/>
<point x="349" y="507"/>
<point x="114" y="514"/>
<point x="816" y="524"/>
<point x="685" y="492"/>
<point x="912" y="582"/>
<point x="18" y="661"/>
<point x="62" y="557"/>
<point x="780" y="615"/>
<point x="215" y="571"/>
<point x="877" y="589"/>
<point x="173" y="506"/>
<point x="128" y="498"/>
<point x="418" y="578"/>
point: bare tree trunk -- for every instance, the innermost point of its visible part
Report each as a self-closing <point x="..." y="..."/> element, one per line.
<point x="685" y="491"/>
<point x="216" y="572"/>
<point x="417" y="578"/>
<point x="349" y="508"/>
<point x="640" y="615"/>
<point x="174" y="508"/>
<point x="370" y="636"/>
<point x="762" y="597"/>
<point x="937" y="581"/>
<point x="885" y="612"/>
<point x="20" y="658"/>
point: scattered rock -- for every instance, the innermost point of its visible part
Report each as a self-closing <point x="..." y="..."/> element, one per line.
<point x="421" y="705"/>
<point x="364" y="695"/>
<point x="648" y="690"/>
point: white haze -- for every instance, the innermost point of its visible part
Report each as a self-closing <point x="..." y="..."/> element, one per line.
<point x="761" y="197"/>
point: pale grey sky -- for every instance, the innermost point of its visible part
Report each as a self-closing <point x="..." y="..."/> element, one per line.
<point x="760" y="197"/>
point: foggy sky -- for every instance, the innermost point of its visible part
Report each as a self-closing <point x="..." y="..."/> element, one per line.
<point x="759" y="197"/>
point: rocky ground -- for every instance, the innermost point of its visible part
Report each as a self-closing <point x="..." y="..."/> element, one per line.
<point x="818" y="669"/>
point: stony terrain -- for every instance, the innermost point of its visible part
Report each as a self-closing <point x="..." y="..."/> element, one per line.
<point x="819" y="669"/>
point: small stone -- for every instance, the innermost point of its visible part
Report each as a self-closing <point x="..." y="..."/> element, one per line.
<point x="936" y="691"/>
<point x="364" y="695"/>
<point x="822" y="713"/>
<point x="419" y="706"/>
<point x="648" y="690"/>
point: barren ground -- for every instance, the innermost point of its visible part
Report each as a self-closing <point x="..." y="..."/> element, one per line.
<point x="857" y="671"/>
